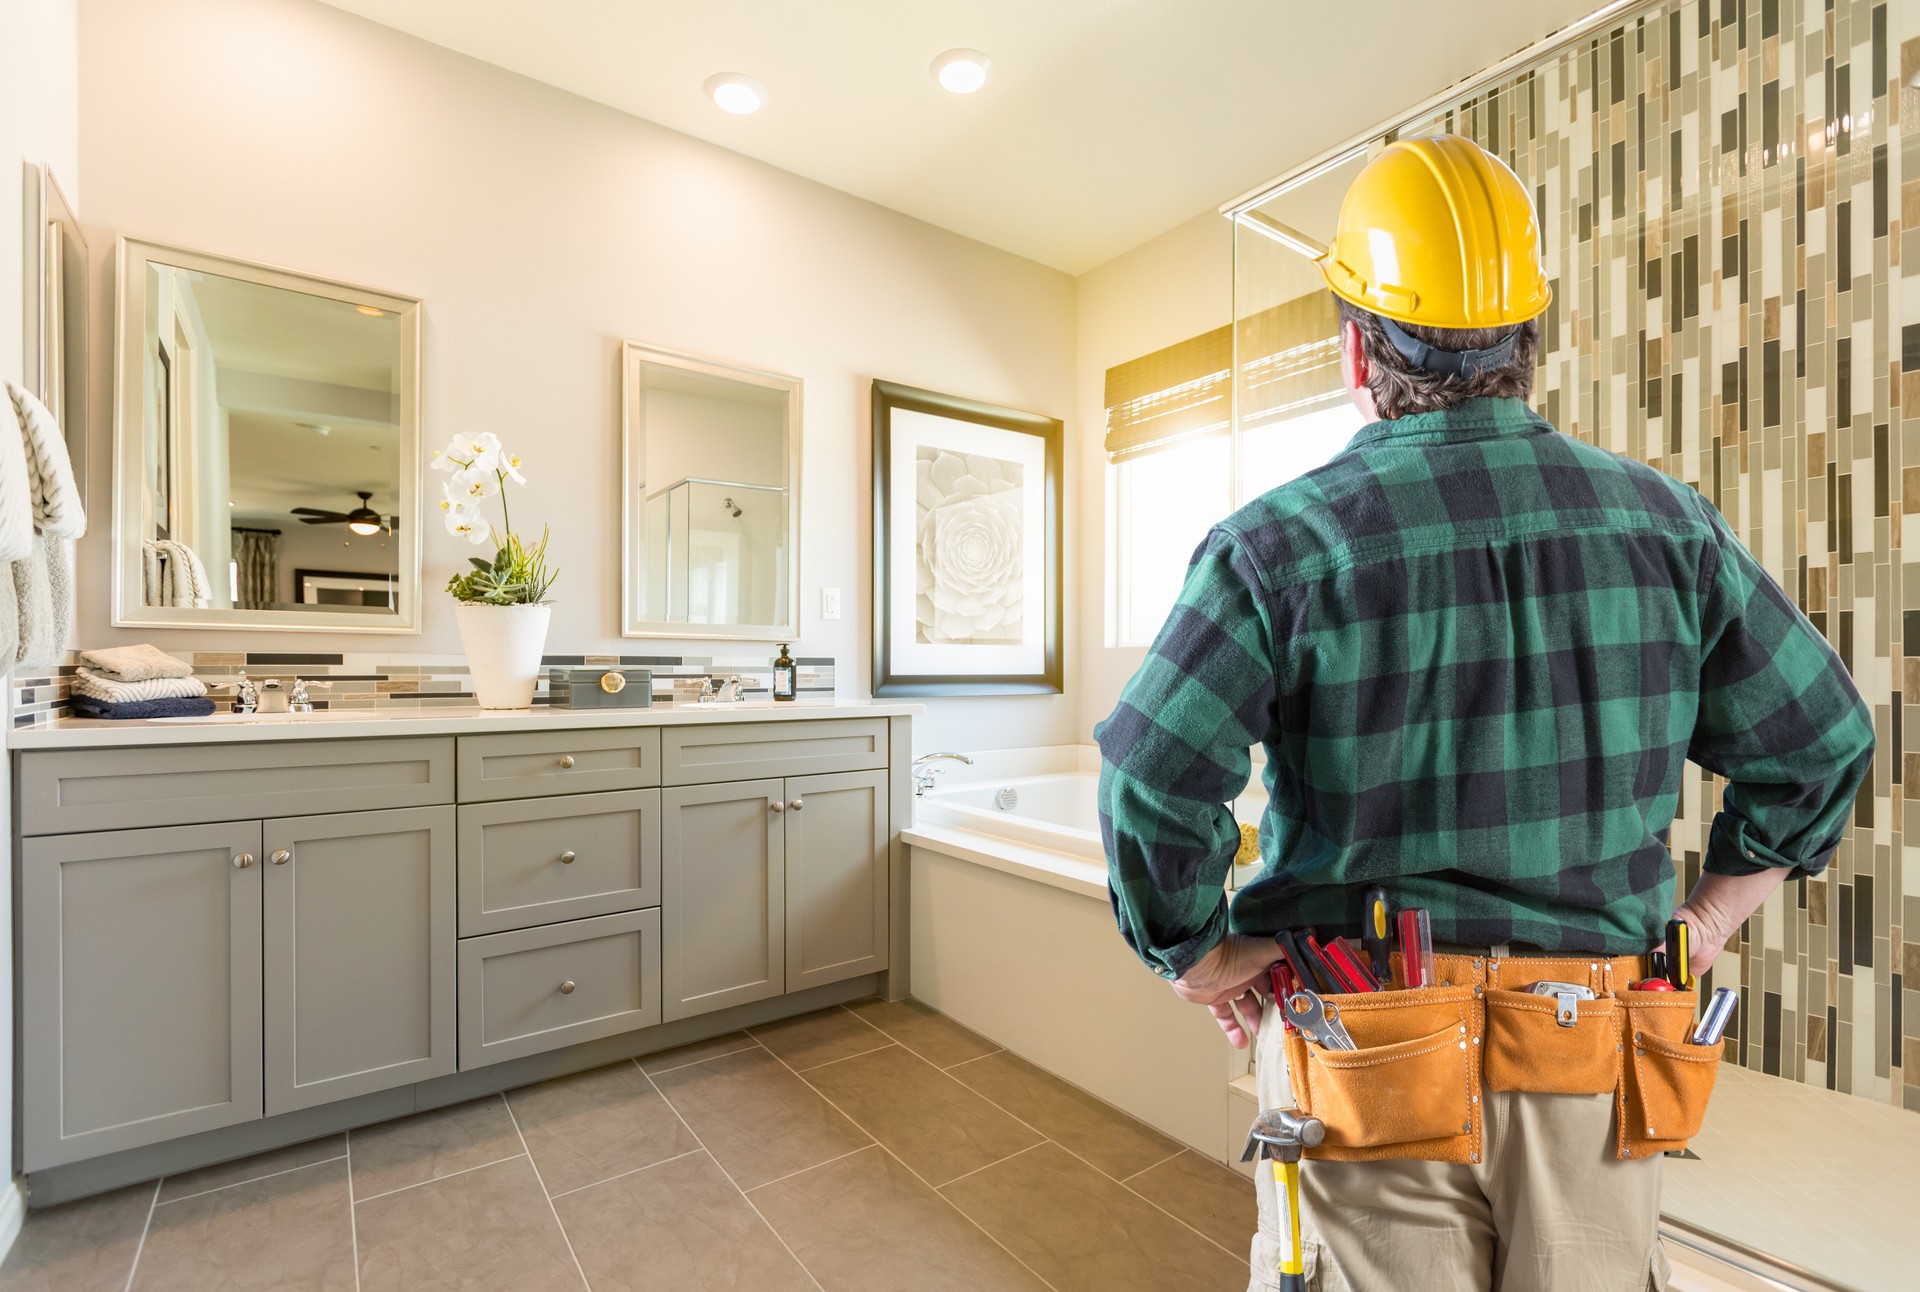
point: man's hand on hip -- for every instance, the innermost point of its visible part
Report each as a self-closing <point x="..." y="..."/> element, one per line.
<point x="1225" y="977"/>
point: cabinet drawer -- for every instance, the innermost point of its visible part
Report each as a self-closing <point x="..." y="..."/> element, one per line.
<point x="518" y="766"/>
<point x="539" y="989"/>
<point x="698" y="755"/>
<point x="113" y="789"/>
<point x="535" y="861"/>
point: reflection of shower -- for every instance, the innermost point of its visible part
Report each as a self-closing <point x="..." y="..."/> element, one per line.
<point x="728" y="504"/>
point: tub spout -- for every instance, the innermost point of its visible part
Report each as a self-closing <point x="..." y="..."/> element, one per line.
<point x="924" y="770"/>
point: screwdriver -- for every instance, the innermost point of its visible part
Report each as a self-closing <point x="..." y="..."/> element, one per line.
<point x="1376" y="933"/>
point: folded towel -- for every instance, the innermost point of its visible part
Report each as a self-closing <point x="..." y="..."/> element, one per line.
<point x="133" y="663"/>
<point x="57" y="510"/>
<point x="85" y="706"/>
<point x="113" y="691"/>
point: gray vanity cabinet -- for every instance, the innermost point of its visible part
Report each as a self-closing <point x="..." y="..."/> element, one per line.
<point x="359" y="939"/>
<point x="139" y="987"/>
<point x="836" y="847"/>
<point x="724" y="896"/>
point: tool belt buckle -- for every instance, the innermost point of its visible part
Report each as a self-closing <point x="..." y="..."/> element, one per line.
<point x="1566" y="1000"/>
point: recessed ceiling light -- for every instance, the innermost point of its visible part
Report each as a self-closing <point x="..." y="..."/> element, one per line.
<point x="371" y="311"/>
<point x="962" y="70"/>
<point x="736" y="93"/>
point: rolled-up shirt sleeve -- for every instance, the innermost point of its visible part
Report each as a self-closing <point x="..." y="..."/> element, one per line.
<point x="1174" y="753"/>
<point x="1779" y="717"/>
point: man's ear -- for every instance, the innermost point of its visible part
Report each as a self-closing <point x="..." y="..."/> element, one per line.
<point x="1355" y="370"/>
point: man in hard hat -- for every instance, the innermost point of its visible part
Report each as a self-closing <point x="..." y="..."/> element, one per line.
<point x="1478" y="654"/>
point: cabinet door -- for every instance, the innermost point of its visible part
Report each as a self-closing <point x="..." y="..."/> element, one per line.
<point x="836" y="828"/>
<point x="723" y="940"/>
<point x="139" y="987"/>
<point x="359" y="953"/>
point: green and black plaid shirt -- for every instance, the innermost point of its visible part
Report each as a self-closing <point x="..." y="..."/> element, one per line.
<point x="1477" y="652"/>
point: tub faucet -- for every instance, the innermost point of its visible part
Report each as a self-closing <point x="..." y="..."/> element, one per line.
<point x="924" y="772"/>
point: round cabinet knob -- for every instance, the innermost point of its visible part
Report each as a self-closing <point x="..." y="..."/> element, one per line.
<point x="242" y="860"/>
<point x="778" y="806"/>
<point x="566" y="858"/>
<point x="566" y="760"/>
<point x="796" y="805"/>
<point x="566" y="988"/>
<point x="281" y="857"/>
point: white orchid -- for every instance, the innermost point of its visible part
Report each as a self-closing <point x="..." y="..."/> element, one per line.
<point x="480" y="469"/>
<point x="464" y="524"/>
<point x="472" y="486"/>
<point x="510" y="465"/>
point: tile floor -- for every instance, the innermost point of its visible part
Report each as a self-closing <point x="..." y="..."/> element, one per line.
<point x="879" y="1145"/>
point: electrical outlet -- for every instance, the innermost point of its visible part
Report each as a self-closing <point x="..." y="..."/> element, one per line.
<point x="829" y="603"/>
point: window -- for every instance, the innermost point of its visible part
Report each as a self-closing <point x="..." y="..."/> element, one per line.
<point x="1172" y="444"/>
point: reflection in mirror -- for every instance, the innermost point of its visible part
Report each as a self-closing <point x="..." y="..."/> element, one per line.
<point x="267" y="472"/>
<point x="712" y="455"/>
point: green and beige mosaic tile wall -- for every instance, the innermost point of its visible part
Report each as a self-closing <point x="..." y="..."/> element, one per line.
<point x="1731" y="208"/>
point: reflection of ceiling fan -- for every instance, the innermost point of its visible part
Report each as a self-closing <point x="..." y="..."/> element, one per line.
<point x="361" y="520"/>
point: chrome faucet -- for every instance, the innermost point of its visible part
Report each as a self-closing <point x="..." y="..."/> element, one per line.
<point x="300" y="701"/>
<point x="247" y="698"/>
<point x="923" y="773"/>
<point x="273" y="697"/>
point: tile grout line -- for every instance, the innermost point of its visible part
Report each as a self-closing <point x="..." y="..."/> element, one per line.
<point x="903" y="1045"/>
<point x="541" y="1180"/>
<point x="142" y="1245"/>
<point x="353" y="1213"/>
<point x="694" y="1063"/>
<point x="578" y="1188"/>
<point x="255" y="1179"/>
<point x="803" y="1170"/>
<point x="1162" y="1162"/>
<point x="916" y="1175"/>
<point x="997" y="1161"/>
<point x="889" y="1044"/>
<point x="1001" y="1049"/>
<point x="778" y="1237"/>
<point x="451" y="1175"/>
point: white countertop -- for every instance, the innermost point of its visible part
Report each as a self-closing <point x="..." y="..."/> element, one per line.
<point x="104" y="733"/>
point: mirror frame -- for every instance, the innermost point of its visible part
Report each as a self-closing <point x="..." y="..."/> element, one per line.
<point x="48" y="209"/>
<point x="633" y="353"/>
<point x="132" y="257"/>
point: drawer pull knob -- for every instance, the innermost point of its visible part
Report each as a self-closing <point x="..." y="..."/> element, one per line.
<point x="566" y="760"/>
<point x="242" y="860"/>
<point x="281" y="857"/>
<point x="566" y="988"/>
<point x="778" y="806"/>
<point x="796" y="805"/>
<point x="566" y="858"/>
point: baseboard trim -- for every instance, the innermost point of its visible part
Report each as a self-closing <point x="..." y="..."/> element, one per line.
<point x="13" y="1214"/>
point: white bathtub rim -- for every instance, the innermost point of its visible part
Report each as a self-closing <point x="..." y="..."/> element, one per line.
<point x="1065" y="871"/>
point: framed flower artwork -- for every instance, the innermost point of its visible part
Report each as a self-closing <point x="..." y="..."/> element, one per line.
<point x="966" y="546"/>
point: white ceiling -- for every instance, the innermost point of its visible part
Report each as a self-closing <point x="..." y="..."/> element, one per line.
<point x="1106" y="122"/>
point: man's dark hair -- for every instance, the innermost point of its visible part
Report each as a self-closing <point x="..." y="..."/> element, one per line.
<point x="1399" y="387"/>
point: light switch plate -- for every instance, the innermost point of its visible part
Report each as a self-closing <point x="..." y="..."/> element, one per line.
<point x="829" y="603"/>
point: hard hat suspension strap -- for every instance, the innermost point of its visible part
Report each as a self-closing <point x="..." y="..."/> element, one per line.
<point x="1464" y="364"/>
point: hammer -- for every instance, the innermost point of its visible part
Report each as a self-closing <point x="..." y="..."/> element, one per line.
<point x="1279" y="1134"/>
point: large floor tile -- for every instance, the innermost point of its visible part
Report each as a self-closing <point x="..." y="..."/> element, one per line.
<point x="924" y="1030"/>
<point x="427" y="1146"/>
<point x="1083" y="1232"/>
<point x="938" y="1127"/>
<point x="84" y="1246"/>
<point x="489" y="1230"/>
<point x="272" y="1162"/>
<point x="677" y="1227"/>
<point x="700" y="1051"/>
<point x="1103" y="1135"/>
<point x="595" y="1125"/>
<point x="1213" y="1199"/>
<point x="758" y="1120"/>
<point x="287" y="1233"/>
<point x="865" y="1224"/>
<point x="813" y="1039"/>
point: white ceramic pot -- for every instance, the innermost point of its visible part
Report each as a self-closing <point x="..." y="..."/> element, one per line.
<point x="503" y="645"/>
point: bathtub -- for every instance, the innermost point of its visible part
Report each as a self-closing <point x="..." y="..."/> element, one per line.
<point x="1013" y="935"/>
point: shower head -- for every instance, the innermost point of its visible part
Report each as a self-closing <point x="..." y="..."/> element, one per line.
<point x="729" y="505"/>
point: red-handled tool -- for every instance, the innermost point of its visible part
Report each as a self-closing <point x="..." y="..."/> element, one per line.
<point x="1416" y="947"/>
<point x="1345" y="965"/>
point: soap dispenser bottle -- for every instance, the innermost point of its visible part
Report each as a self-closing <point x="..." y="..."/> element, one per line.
<point x="784" y="687"/>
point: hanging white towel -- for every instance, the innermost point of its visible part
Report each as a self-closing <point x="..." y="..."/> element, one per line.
<point x="43" y="596"/>
<point x="184" y="578"/>
<point x="55" y="497"/>
<point x="16" y="498"/>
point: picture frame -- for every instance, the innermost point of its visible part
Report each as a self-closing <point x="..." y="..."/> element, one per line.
<point x="357" y="589"/>
<point x="966" y="546"/>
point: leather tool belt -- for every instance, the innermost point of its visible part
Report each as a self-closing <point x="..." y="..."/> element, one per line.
<point x="1412" y="1087"/>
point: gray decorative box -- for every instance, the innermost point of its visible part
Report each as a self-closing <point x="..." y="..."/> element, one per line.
<point x="600" y="688"/>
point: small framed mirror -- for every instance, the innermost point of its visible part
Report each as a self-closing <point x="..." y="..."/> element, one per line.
<point x="711" y="489"/>
<point x="56" y="333"/>
<point x="267" y="434"/>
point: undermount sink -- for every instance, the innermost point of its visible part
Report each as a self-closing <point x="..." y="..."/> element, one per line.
<point x="274" y="719"/>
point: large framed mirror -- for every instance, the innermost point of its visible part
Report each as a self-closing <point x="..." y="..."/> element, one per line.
<point x="711" y="497"/>
<point x="55" y="274"/>
<point x="267" y="431"/>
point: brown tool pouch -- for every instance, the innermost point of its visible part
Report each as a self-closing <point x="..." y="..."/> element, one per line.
<point x="1408" y="1089"/>
<point x="1665" y="1082"/>
<point x="1529" y="1049"/>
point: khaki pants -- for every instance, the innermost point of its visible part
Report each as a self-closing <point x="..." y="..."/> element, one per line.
<point x="1549" y="1210"/>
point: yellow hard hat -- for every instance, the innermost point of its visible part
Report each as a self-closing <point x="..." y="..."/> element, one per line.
<point x="1438" y="232"/>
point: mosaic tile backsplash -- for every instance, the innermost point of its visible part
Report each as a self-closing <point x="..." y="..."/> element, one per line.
<point x="395" y="680"/>
<point x="1731" y="207"/>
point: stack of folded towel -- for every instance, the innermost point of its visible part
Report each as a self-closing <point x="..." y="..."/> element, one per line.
<point x="137" y="682"/>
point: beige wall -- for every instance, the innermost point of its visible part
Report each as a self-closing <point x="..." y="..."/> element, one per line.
<point x="540" y="229"/>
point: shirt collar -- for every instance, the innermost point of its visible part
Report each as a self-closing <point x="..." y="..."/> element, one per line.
<point x="1474" y="419"/>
